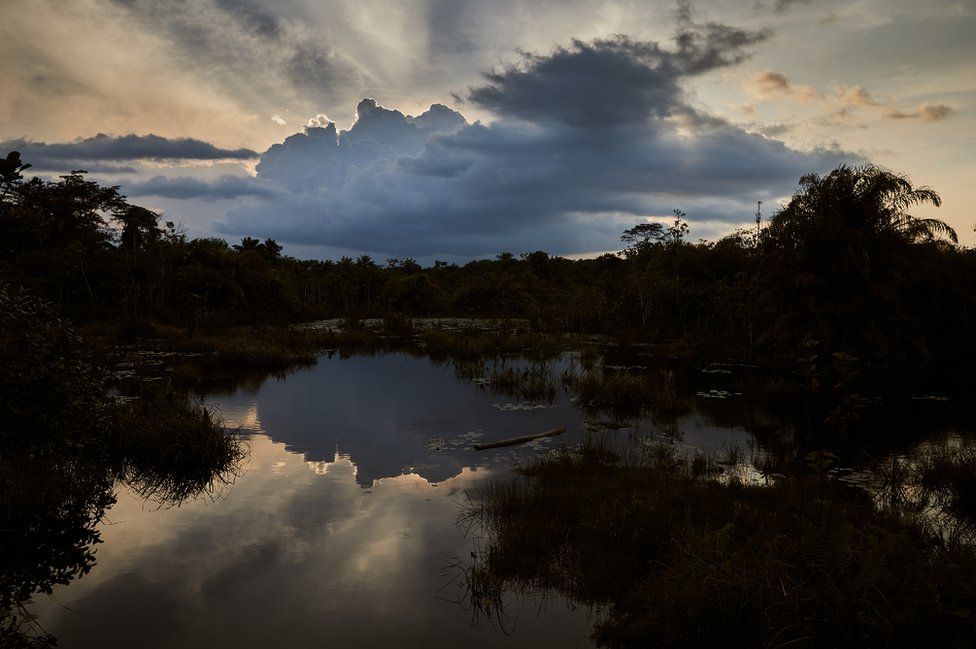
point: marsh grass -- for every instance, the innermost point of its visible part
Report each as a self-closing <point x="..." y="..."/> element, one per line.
<point x="950" y="475"/>
<point x="534" y="383"/>
<point x="171" y="449"/>
<point x="678" y="559"/>
<point x="272" y="349"/>
<point x="626" y="393"/>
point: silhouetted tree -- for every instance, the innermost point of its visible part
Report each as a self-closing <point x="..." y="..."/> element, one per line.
<point x="640" y="237"/>
<point x="843" y="254"/>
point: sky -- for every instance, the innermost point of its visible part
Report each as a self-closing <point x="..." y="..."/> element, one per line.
<point x="457" y="129"/>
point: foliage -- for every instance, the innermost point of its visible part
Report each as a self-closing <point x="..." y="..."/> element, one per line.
<point x="845" y="250"/>
<point x="843" y="266"/>
<point x="50" y="393"/>
<point x="64" y="442"/>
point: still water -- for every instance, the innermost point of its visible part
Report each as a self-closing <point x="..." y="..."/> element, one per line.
<point x="342" y="527"/>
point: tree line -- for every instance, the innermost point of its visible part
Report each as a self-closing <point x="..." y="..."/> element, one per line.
<point x="843" y="267"/>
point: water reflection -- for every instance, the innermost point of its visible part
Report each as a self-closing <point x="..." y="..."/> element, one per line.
<point x="297" y="552"/>
<point x="397" y="413"/>
<point x="338" y="526"/>
<point x="50" y="506"/>
<point x="392" y="414"/>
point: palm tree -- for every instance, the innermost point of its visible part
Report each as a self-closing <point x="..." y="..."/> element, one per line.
<point x="843" y="252"/>
<point x="867" y="199"/>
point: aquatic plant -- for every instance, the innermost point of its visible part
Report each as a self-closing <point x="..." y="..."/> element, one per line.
<point x="533" y="383"/>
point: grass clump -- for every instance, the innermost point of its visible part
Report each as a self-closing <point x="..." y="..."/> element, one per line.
<point x="625" y="393"/>
<point x="949" y="476"/>
<point x="677" y="560"/>
<point x="171" y="449"/>
<point x="534" y="383"/>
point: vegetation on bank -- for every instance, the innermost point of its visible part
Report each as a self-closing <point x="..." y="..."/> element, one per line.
<point x="843" y="268"/>
<point x="65" y="441"/>
<point x="673" y="558"/>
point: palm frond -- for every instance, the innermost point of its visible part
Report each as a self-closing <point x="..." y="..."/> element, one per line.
<point x="938" y="227"/>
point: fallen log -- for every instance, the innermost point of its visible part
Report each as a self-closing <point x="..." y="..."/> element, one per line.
<point x="512" y="441"/>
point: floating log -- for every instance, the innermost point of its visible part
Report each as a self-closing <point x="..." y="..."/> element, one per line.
<point x="512" y="441"/>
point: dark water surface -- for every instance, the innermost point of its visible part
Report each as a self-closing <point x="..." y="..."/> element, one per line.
<point x="343" y="525"/>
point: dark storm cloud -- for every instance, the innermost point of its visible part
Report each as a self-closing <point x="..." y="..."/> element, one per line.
<point x="713" y="45"/>
<point x="186" y="187"/>
<point x="93" y="153"/>
<point x="624" y="81"/>
<point x="590" y="137"/>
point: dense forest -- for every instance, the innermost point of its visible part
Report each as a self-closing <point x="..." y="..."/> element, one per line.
<point x="842" y="268"/>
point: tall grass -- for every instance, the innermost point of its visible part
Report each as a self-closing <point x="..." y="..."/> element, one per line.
<point x="171" y="449"/>
<point x="949" y="475"/>
<point x="624" y="392"/>
<point x="534" y="383"/>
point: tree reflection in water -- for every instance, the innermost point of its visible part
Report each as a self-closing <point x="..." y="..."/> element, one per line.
<point x="65" y="444"/>
<point x="50" y="508"/>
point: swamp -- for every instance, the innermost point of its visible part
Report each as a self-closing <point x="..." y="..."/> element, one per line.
<point x="350" y="501"/>
<point x="652" y="346"/>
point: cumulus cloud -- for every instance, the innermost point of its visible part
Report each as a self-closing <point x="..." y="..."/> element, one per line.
<point x="188" y="187"/>
<point x="94" y="153"/>
<point x="589" y="138"/>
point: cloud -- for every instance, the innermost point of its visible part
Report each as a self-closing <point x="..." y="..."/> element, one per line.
<point x="771" y="84"/>
<point x="774" y="129"/>
<point x="854" y="97"/>
<point x="92" y="153"/>
<point x="627" y="81"/>
<point x="839" y="107"/>
<point x="319" y="120"/>
<point x="778" y="6"/>
<point x="187" y="187"/>
<point x="783" y="5"/>
<point x="925" y="112"/>
<point x="250" y="48"/>
<point x="589" y="138"/>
